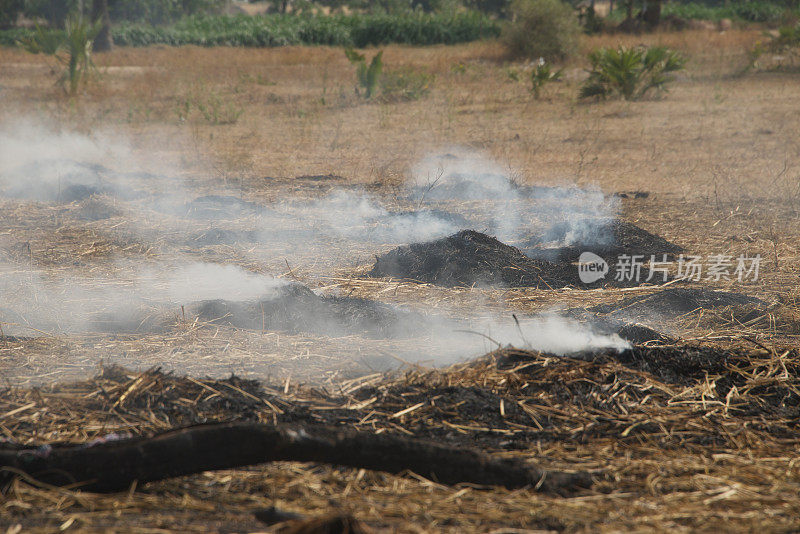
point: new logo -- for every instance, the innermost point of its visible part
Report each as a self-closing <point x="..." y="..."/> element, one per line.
<point x="591" y="267"/>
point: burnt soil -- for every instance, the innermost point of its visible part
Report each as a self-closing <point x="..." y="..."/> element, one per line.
<point x="295" y="308"/>
<point x="676" y="301"/>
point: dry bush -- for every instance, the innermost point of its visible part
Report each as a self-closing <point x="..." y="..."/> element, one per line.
<point x="542" y="28"/>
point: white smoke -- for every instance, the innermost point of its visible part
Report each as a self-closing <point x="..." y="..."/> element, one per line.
<point x="40" y="163"/>
<point x="446" y="193"/>
<point x="563" y="216"/>
<point x="59" y="302"/>
<point x="549" y="333"/>
<point x="206" y="281"/>
<point x="360" y="216"/>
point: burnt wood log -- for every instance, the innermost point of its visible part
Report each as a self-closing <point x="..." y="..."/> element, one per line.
<point x="114" y="465"/>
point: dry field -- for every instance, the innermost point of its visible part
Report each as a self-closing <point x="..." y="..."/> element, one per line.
<point x="693" y="431"/>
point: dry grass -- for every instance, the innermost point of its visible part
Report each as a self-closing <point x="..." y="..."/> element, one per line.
<point x="718" y="154"/>
<point x="687" y="454"/>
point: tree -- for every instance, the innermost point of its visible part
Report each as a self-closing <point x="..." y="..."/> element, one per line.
<point x="651" y="13"/>
<point x="103" y="42"/>
<point x="9" y="9"/>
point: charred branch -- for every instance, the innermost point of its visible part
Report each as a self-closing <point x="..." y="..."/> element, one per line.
<point x="115" y="465"/>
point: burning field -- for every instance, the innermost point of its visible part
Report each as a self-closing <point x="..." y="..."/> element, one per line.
<point x="473" y="336"/>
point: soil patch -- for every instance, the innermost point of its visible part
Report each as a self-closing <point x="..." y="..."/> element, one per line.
<point x="295" y="308"/>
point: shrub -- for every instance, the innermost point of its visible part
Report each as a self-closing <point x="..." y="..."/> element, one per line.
<point x="542" y="28"/>
<point x="746" y="10"/>
<point x="72" y="47"/>
<point x="785" y="47"/>
<point x="630" y="72"/>
<point x="338" y="30"/>
<point x="758" y="11"/>
<point x="281" y="30"/>
<point x="367" y="76"/>
<point x="542" y="75"/>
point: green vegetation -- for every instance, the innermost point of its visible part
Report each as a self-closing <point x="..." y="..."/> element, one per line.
<point x="750" y="11"/>
<point x="282" y="30"/>
<point x="542" y="75"/>
<point x="394" y="84"/>
<point x="542" y="28"/>
<point x="71" y="47"/>
<point x="366" y="75"/>
<point x="210" y="105"/>
<point x="785" y="47"/>
<point x="160" y="11"/>
<point x="788" y="39"/>
<point x="55" y="12"/>
<point x="630" y="72"/>
<point x="763" y="11"/>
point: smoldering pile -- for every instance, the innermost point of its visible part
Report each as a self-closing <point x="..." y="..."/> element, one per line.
<point x="471" y="258"/>
<point x="294" y="308"/>
<point x="609" y="239"/>
<point x="532" y="235"/>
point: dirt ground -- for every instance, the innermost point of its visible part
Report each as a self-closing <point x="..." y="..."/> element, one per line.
<point x="695" y="431"/>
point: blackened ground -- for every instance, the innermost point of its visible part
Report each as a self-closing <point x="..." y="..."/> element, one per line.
<point x="97" y="208"/>
<point x="623" y="238"/>
<point x="675" y="301"/>
<point x="295" y="308"/>
<point x="634" y="333"/>
<point x="685" y="365"/>
<point x="470" y="258"/>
